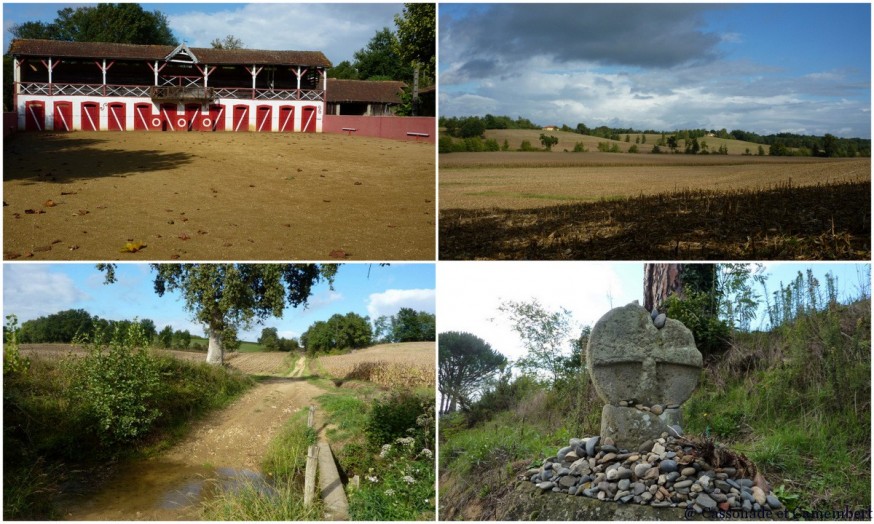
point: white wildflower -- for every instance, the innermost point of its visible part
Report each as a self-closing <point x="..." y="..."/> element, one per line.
<point x="372" y="478"/>
<point x="408" y="479"/>
<point x="390" y="492"/>
<point x="385" y="449"/>
<point x="428" y="453"/>
<point x="406" y="441"/>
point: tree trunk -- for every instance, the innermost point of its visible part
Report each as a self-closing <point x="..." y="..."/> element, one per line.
<point x="215" y="352"/>
<point x="659" y="282"/>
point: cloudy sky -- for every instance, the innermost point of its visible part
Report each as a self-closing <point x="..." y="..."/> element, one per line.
<point x="471" y="292"/>
<point x="34" y="290"/>
<point x="802" y="68"/>
<point x="338" y="30"/>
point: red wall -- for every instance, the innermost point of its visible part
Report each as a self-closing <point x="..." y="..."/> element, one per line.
<point x="383" y="126"/>
<point x="10" y="123"/>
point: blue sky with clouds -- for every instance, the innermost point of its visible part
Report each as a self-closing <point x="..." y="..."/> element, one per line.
<point x="338" y="30"/>
<point x="802" y="68"/>
<point x="31" y="290"/>
<point x="470" y="292"/>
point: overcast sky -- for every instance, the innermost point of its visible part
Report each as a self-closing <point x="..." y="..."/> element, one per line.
<point x="338" y="30"/>
<point x="32" y="290"/>
<point x="471" y="292"/>
<point x="802" y="68"/>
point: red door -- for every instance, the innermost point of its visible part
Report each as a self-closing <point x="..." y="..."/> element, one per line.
<point x="192" y="116"/>
<point x="63" y="116"/>
<point x="143" y="120"/>
<point x="241" y="118"/>
<point x="264" y="120"/>
<point x="90" y="116"/>
<point x="34" y="116"/>
<point x="216" y="119"/>
<point x="168" y="117"/>
<point x="116" y="116"/>
<point x="286" y="119"/>
<point x="308" y="120"/>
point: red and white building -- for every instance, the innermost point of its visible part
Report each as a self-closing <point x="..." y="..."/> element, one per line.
<point x="92" y="86"/>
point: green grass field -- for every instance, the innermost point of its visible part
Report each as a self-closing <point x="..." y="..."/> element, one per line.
<point x="245" y="347"/>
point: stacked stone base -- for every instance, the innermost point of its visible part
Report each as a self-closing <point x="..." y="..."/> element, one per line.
<point x="665" y="472"/>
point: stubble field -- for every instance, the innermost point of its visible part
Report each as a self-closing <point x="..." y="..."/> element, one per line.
<point x="627" y="206"/>
<point x="217" y="196"/>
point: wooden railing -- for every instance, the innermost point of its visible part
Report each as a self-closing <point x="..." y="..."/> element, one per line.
<point x="169" y="92"/>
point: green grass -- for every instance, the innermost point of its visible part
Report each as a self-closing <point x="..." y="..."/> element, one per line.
<point x="284" y="466"/>
<point x="396" y="482"/>
<point x="245" y="347"/>
<point x="48" y="429"/>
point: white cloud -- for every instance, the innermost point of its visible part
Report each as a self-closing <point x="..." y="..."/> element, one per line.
<point x="321" y="300"/>
<point x="34" y="290"/>
<point x="336" y="29"/>
<point x="471" y="292"/>
<point x="391" y="301"/>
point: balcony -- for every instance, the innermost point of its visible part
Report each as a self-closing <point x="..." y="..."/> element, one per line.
<point x="169" y="93"/>
<point x="182" y="94"/>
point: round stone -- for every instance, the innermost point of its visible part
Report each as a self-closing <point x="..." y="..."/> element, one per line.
<point x="705" y="501"/>
<point x="624" y="484"/>
<point x="546" y="485"/>
<point x="641" y="469"/>
<point x="688" y="472"/>
<point x="773" y="502"/>
<point x="590" y="446"/>
<point x="667" y="466"/>
<point x="658" y="409"/>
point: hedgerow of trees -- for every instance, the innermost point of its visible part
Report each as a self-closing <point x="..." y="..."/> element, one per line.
<point x="692" y="141"/>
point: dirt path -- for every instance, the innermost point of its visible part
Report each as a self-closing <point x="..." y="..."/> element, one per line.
<point x="222" y="449"/>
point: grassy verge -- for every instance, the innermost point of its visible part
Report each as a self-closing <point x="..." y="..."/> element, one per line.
<point x="801" y="410"/>
<point x="386" y="440"/>
<point x="281" y="497"/>
<point x="57" y="418"/>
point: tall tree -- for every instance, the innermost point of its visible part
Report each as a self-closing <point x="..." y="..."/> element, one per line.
<point x="545" y="335"/>
<point x="465" y="363"/>
<point x="226" y="296"/>
<point x="269" y="338"/>
<point x="416" y="37"/>
<point x="124" y="23"/>
<point x="659" y="282"/>
<point x="380" y="60"/>
<point x="228" y="42"/>
<point x="344" y="70"/>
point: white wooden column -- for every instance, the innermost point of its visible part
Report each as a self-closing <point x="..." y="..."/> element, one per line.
<point x="156" y="72"/>
<point x="50" y="70"/>
<point x="298" y="73"/>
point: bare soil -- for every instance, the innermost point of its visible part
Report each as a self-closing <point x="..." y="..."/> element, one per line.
<point x="217" y="196"/>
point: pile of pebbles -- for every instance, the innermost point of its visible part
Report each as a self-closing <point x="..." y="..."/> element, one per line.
<point x="661" y="473"/>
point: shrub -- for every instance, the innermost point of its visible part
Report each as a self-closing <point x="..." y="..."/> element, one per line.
<point x="580" y="148"/>
<point x="13" y="362"/>
<point x="445" y="144"/>
<point x="633" y="149"/>
<point x="492" y="145"/>
<point x="393" y="417"/>
<point x="526" y="146"/>
<point x="119" y="379"/>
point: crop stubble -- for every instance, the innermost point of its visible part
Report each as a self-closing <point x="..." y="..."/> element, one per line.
<point x="663" y="207"/>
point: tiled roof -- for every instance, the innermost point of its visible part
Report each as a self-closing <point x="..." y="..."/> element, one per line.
<point x="62" y="49"/>
<point x="364" y="91"/>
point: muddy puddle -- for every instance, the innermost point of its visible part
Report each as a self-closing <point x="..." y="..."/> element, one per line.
<point x="159" y="490"/>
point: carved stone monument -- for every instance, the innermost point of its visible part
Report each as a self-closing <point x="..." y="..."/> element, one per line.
<point x="643" y="373"/>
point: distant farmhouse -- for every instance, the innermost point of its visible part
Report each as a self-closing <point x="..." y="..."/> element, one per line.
<point x="91" y="86"/>
<point x="550" y="128"/>
<point x="363" y="97"/>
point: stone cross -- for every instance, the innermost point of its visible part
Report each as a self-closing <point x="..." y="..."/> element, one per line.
<point x="642" y="373"/>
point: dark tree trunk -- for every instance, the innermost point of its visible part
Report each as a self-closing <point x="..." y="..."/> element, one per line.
<point x="659" y="282"/>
